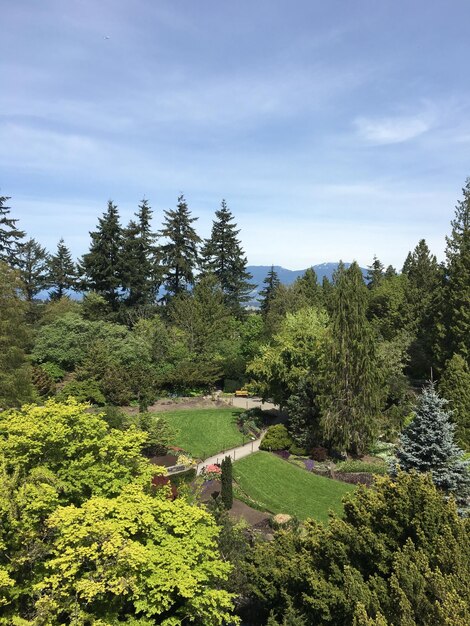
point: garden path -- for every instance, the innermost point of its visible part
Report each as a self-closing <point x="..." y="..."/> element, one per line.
<point x="235" y="453"/>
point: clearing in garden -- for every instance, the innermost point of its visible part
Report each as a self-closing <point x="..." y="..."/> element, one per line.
<point x="281" y="487"/>
<point x="204" y="432"/>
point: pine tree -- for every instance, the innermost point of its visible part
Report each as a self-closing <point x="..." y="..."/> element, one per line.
<point x="375" y="273"/>
<point x="102" y="265"/>
<point x="10" y="235"/>
<point x="457" y="292"/>
<point x="427" y="445"/>
<point x="33" y="262"/>
<point x="307" y="288"/>
<point x="226" y="491"/>
<point x="351" y="395"/>
<point x="180" y="254"/>
<point x="62" y="272"/>
<point x="223" y="256"/>
<point x="454" y="386"/>
<point x="15" y="376"/>
<point x="139" y="259"/>
<point x="272" y="282"/>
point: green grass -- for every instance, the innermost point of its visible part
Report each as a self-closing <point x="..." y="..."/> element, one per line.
<point x="204" y="432"/>
<point x="280" y="487"/>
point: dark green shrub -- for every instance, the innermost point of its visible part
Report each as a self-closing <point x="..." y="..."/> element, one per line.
<point x="361" y="466"/>
<point x="226" y="492"/>
<point x="297" y="450"/>
<point x="83" y="391"/>
<point x="53" y="370"/>
<point x="276" y="438"/>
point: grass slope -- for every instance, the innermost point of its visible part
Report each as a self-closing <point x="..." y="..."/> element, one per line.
<point x="204" y="432"/>
<point x="281" y="487"/>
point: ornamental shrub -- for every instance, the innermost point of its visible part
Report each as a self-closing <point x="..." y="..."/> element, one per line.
<point x="226" y="491"/>
<point x="276" y="438"/>
<point x="298" y="450"/>
<point x="319" y="454"/>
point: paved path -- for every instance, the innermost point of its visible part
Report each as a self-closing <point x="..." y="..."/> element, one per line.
<point x="234" y="453"/>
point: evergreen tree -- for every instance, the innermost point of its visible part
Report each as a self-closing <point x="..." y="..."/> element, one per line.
<point x="15" y="379"/>
<point x="304" y="414"/>
<point x="457" y="292"/>
<point x="427" y="445"/>
<point x="454" y="386"/>
<point x="390" y="272"/>
<point x="272" y="282"/>
<point x="180" y="254"/>
<point x="375" y="273"/>
<point x="102" y="265"/>
<point x="10" y="235"/>
<point x="307" y="288"/>
<point x="223" y="256"/>
<point x="226" y="491"/>
<point x="139" y="258"/>
<point x="351" y="395"/>
<point x="33" y="262"/>
<point x="62" y="271"/>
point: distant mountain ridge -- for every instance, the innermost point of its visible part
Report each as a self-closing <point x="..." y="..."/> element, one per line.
<point x="287" y="277"/>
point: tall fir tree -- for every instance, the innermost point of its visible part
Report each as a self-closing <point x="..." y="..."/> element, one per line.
<point x="454" y="386"/>
<point x="33" y="265"/>
<point x="375" y="273"/>
<point x="457" y="291"/>
<point x="351" y="396"/>
<point x="226" y="491"/>
<point x="180" y="253"/>
<point x="102" y="265"/>
<point x="223" y="256"/>
<point x="15" y="376"/>
<point x="10" y="235"/>
<point x="62" y="272"/>
<point x="427" y="445"/>
<point x="271" y="283"/>
<point x="307" y="288"/>
<point x="139" y="259"/>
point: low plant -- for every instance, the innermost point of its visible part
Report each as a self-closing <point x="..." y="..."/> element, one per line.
<point x="284" y="454"/>
<point x="212" y="472"/>
<point x="319" y="454"/>
<point x="298" y="450"/>
<point x="82" y="391"/>
<point x="350" y="467"/>
<point x="276" y="438"/>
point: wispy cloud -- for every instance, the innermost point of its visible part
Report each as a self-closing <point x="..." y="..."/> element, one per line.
<point x="389" y="130"/>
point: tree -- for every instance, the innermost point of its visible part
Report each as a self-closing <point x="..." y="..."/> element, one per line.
<point x="139" y="259"/>
<point x="15" y="381"/>
<point x="457" y="291"/>
<point x="454" y="386"/>
<point x="427" y="445"/>
<point x="351" y="385"/>
<point x="102" y="265"/>
<point x="375" y="273"/>
<point x="398" y="555"/>
<point x="226" y="491"/>
<point x="223" y="256"/>
<point x="10" y="235"/>
<point x="62" y="271"/>
<point x="308" y="288"/>
<point x="304" y="414"/>
<point x="33" y="262"/>
<point x="272" y="282"/>
<point x="180" y="253"/>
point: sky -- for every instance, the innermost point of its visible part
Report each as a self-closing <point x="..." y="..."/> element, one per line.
<point x="333" y="129"/>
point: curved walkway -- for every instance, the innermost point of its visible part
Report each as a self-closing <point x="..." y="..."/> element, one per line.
<point x="234" y="453"/>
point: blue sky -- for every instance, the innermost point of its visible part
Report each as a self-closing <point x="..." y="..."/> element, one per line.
<point x="334" y="129"/>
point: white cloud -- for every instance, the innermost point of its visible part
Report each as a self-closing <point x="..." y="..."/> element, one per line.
<point x="388" y="130"/>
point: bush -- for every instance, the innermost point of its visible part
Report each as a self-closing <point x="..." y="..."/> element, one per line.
<point x="284" y="454"/>
<point x="319" y="454"/>
<point x="276" y="438"/>
<point x="360" y="466"/>
<point x="53" y="370"/>
<point x="82" y="391"/>
<point x="297" y="450"/>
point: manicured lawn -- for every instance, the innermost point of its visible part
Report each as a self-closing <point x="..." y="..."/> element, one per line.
<point x="281" y="487"/>
<point x="204" y="432"/>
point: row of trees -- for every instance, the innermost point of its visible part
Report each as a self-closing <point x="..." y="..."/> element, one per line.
<point x="127" y="264"/>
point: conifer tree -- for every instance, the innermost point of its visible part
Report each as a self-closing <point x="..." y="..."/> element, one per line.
<point x="223" y="255"/>
<point x="351" y="394"/>
<point x="307" y="288"/>
<point x="33" y="262"/>
<point x="390" y="272"/>
<point x="102" y="265"/>
<point x="10" y="235"/>
<point x="427" y="445"/>
<point x="139" y="258"/>
<point x="62" y="271"/>
<point x="457" y="292"/>
<point x="454" y="386"/>
<point x="15" y="378"/>
<point x="226" y="491"/>
<point x="375" y="273"/>
<point x="271" y="283"/>
<point x="180" y="253"/>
